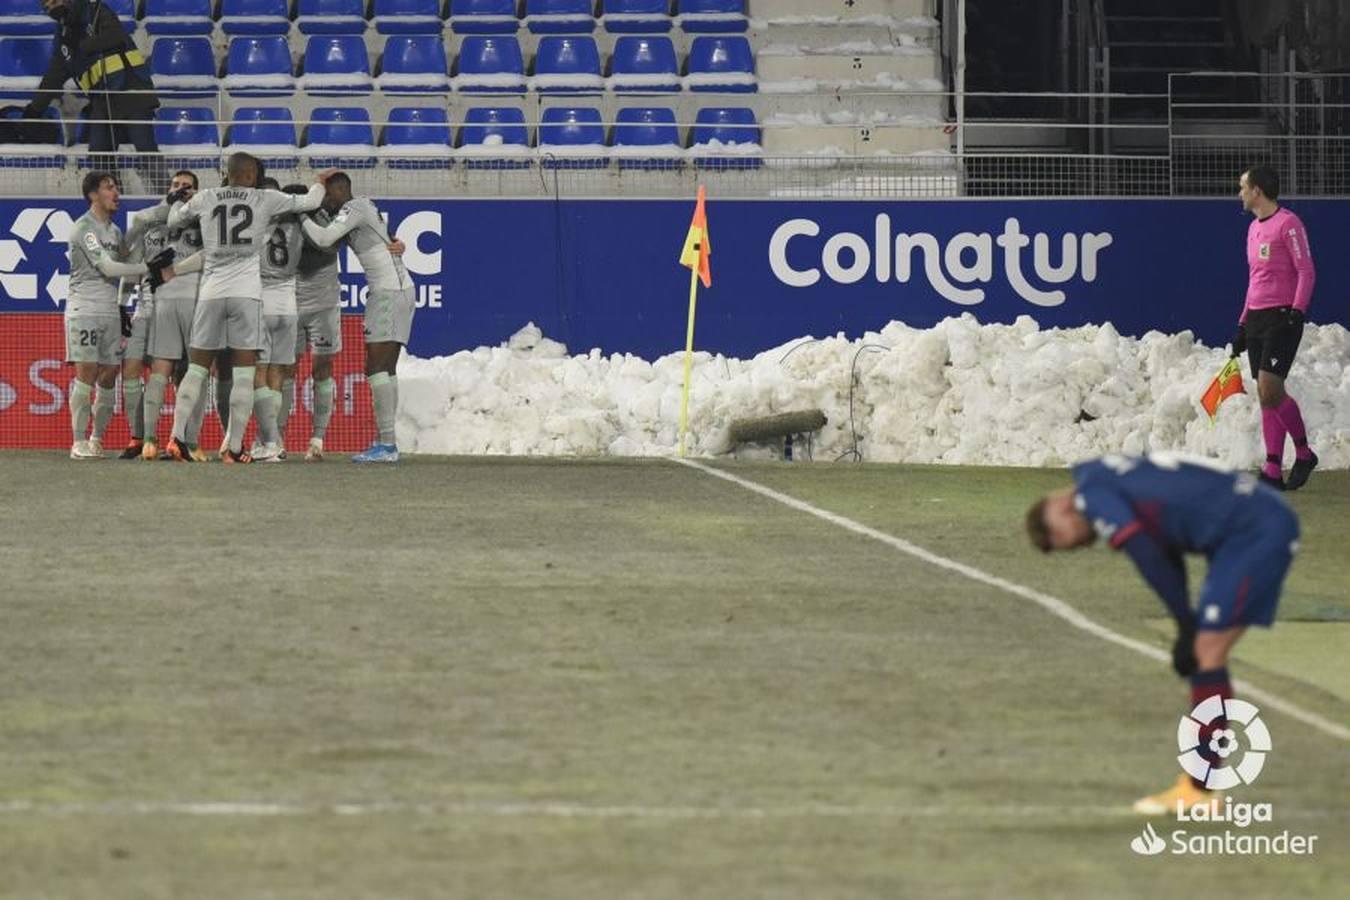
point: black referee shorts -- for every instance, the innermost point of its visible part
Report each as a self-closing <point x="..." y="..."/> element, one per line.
<point x="1271" y="341"/>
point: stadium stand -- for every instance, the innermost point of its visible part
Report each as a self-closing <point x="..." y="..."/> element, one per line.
<point x="573" y="137"/>
<point x="843" y="81"/>
<point x="484" y="16"/>
<point x="637" y="16"/>
<point x="413" y="64"/>
<point x="494" y="138"/>
<point x="340" y="138"/>
<point x="713" y="16"/>
<point x="259" y="67"/>
<point x="331" y="17"/>
<point x="23" y="61"/>
<point x="644" y="65"/>
<point x="727" y="138"/>
<point x="335" y="65"/>
<point x="567" y="65"/>
<point x="268" y="132"/>
<point x="559" y="16"/>
<point x="175" y="18"/>
<point x="407" y="16"/>
<point x="23" y="18"/>
<point x="490" y="65"/>
<point x="254" y="17"/>
<point x="721" y="64"/>
<point x="189" y="131"/>
<point x="647" y="138"/>
<point x="47" y="155"/>
<point x="184" y="68"/>
<point x="417" y="138"/>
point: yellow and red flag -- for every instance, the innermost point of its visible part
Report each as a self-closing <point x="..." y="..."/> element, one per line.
<point x="1227" y="383"/>
<point x="697" y="248"/>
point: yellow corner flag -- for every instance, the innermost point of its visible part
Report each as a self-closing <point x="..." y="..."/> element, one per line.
<point x="697" y="250"/>
<point x="1227" y="383"/>
<point x="697" y="246"/>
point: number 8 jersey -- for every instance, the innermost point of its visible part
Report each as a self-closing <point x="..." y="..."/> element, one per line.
<point x="235" y="225"/>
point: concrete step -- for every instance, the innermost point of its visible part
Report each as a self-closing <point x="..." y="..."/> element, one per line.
<point x="862" y="140"/>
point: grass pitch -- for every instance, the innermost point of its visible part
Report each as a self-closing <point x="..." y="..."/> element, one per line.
<point x="504" y="678"/>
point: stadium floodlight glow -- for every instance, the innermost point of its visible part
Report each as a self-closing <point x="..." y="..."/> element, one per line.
<point x="968" y="258"/>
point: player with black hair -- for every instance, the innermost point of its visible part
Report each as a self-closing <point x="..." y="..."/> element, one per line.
<point x="1279" y="290"/>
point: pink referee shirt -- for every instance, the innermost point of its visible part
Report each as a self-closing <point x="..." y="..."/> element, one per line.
<point x="1280" y="262"/>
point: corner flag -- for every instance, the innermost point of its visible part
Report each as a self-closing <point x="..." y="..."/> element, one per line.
<point x="697" y="246"/>
<point x="1227" y="383"/>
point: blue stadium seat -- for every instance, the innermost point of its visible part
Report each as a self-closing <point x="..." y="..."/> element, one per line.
<point x="184" y="68"/>
<point x="126" y="13"/>
<point x="24" y="18"/>
<point x="254" y="17"/>
<point x="572" y="138"/>
<point x="713" y="16"/>
<point x="644" y="65"/>
<point x="414" y="64"/>
<point x="183" y="127"/>
<point x="483" y="16"/>
<point x="408" y="16"/>
<point x="636" y="16"/>
<point x="23" y="62"/>
<point x="34" y="156"/>
<point x="340" y="138"/>
<point x="722" y="65"/>
<point x="567" y="65"/>
<point x="727" y="138"/>
<point x="266" y="132"/>
<point x="259" y="67"/>
<point x="178" y="17"/>
<point x="560" y="16"/>
<point x="417" y="138"/>
<point x="494" y="138"/>
<point x="331" y="16"/>
<point x="490" y="65"/>
<point x="647" y="138"/>
<point x="336" y="65"/>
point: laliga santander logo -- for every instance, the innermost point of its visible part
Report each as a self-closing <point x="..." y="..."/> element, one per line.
<point x="1223" y="743"/>
<point x="27" y="225"/>
<point x="952" y="270"/>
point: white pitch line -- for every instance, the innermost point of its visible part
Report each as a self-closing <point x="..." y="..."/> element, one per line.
<point x="1053" y="605"/>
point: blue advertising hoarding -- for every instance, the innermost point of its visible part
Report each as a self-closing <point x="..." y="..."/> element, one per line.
<point x="595" y="273"/>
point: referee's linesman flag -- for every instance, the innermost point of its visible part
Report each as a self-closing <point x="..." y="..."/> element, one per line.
<point x="697" y="246"/>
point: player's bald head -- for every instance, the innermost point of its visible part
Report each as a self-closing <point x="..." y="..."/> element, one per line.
<point x="242" y="169"/>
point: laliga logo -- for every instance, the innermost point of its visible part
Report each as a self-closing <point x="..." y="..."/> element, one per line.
<point x="26" y="226"/>
<point x="968" y="258"/>
<point x="1223" y="743"/>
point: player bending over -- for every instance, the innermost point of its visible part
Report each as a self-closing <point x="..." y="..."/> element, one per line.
<point x="389" y="306"/>
<point x="1157" y="509"/>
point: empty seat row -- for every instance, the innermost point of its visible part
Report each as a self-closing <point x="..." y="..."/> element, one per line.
<point x="258" y="17"/>
<point x="417" y="137"/>
<point x="335" y="64"/>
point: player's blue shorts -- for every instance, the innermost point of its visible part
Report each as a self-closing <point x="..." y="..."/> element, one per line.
<point x="1248" y="569"/>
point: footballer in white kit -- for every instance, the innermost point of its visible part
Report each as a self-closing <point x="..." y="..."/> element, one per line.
<point x="235" y="221"/>
<point x="390" y="302"/>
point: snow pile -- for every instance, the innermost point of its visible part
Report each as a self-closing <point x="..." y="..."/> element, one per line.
<point x="960" y="393"/>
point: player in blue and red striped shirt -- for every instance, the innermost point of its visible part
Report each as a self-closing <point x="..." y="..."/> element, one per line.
<point x="1157" y="509"/>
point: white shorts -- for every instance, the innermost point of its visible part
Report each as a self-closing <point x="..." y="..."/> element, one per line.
<point x="138" y="344"/>
<point x="278" y="341"/>
<point x="93" y="339"/>
<point x="389" y="316"/>
<point x="172" y="331"/>
<point x="321" y="329"/>
<point x="233" y="322"/>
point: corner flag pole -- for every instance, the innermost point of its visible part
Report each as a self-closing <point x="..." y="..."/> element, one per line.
<point x="688" y="359"/>
<point x="697" y="250"/>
